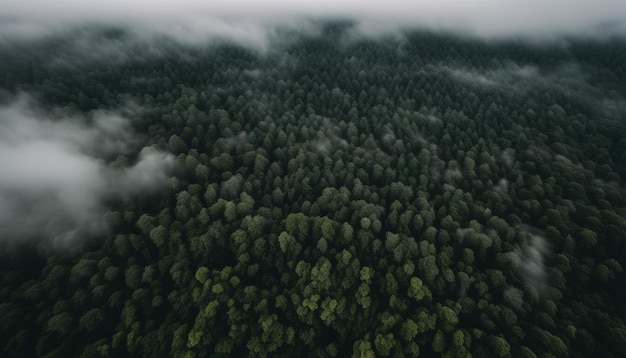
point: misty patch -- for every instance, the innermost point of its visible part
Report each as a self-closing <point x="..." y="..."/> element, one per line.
<point x="530" y="258"/>
<point x="238" y="139"/>
<point x="54" y="180"/>
<point x="563" y="159"/>
<point x="390" y="142"/>
<point x="388" y="138"/>
<point x="569" y="79"/>
<point x="503" y="186"/>
<point x="613" y="108"/>
<point x="509" y="75"/>
<point x="542" y="152"/>
<point x="460" y="233"/>
<point x="451" y="175"/>
<point x="255" y="73"/>
<point x="548" y="155"/>
<point x="476" y="236"/>
<point x="80" y="48"/>
<point x="328" y="136"/>
<point x="532" y="267"/>
<point x="83" y="47"/>
<point x="612" y="189"/>
<point x="507" y="157"/>
<point x="418" y="137"/>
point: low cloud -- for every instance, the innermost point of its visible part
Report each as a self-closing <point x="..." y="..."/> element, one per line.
<point x="569" y="79"/>
<point x="54" y="180"/>
<point x="248" y="20"/>
<point x="328" y="136"/>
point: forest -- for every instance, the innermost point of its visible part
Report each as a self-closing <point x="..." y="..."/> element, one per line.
<point x="331" y="195"/>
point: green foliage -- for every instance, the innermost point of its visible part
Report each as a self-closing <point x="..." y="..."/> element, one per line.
<point x="158" y="235"/>
<point x="439" y="344"/>
<point x="92" y="319"/>
<point x="61" y="323"/>
<point x="500" y="347"/>
<point x="417" y="290"/>
<point x="340" y="196"/>
<point x="363" y="349"/>
<point x="384" y="344"/>
<point x="408" y="331"/>
<point x="176" y="144"/>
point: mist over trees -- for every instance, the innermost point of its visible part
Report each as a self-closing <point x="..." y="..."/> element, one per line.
<point x="334" y="195"/>
<point x="248" y="21"/>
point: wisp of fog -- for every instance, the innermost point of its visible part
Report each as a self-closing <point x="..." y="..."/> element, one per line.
<point x="248" y="20"/>
<point x="54" y="181"/>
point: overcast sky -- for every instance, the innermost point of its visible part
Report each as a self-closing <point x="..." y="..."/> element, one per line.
<point x="241" y="18"/>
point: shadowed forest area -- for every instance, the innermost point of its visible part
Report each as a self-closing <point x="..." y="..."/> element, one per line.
<point x="331" y="195"/>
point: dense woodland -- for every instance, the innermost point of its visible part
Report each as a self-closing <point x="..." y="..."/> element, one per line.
<point x="422" y="194"/>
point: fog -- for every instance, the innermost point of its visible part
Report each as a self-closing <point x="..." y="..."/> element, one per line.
<point x="329" y="137"/>
<point x="530" y="259"/>
<point x="54" y="181"/>
<point x="568" y="78"/>
<point x="249" y="20"/>
<point x="532" y="262"/>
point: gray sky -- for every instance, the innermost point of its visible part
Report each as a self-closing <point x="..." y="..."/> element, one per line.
<point x="247" y="18"/>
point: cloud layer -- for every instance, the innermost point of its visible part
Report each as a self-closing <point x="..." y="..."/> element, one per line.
<point x="53" y="180"/>
<point x="247" y="19"/>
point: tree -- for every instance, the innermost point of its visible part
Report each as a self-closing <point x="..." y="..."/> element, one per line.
<point x="177" y="145"/>
<point x="145" y="224"/>
<point x="363" y="349"/>
<point x="92" y="319"/>
<point x="428" y="268"/>
<point x="384" y="344"/>
<point x="499" y="346"/>
<point x="158" y="235"/>
<point x="447" y="319"/>
<point x="245" y="205"/>
<point x="417" y="290"/>
<point x="408" y="330"/>
<point x="133" y="276"/>
<point x="62" y="323"/>
<point x="231" y="188"/>
<point x="334" y="197"/>
<point x="230" y="211"/>
<point x="201" y="172"/>
<point x="260" y="164"/>
<point x="439" y="343"/>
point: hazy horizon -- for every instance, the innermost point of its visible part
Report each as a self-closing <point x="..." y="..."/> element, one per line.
<point x="250" y="21"/>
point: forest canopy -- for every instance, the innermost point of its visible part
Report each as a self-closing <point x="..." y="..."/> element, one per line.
<point x="330" y="195"/>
